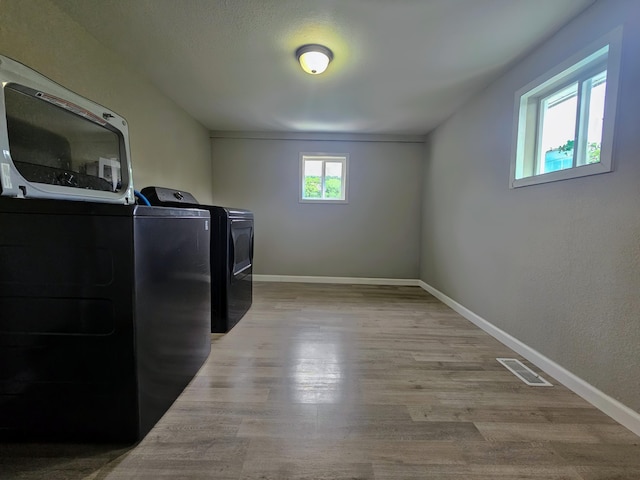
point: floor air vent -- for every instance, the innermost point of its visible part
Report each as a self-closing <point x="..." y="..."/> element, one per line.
<point x="524" y="373"/>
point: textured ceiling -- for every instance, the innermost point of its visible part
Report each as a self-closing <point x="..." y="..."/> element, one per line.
<point x="400" y="66"/>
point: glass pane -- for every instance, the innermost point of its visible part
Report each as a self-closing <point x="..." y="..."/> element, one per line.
<point x="596" y="117"/>
<point x="312" y="179"/>
<point x="52" y="145"/>
<point x="333" y="180"/>
<point x="558" y="130"/>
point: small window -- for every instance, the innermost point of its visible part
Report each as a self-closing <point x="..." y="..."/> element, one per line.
<point x="565" y="118"/>
<point x="323" y="177"/>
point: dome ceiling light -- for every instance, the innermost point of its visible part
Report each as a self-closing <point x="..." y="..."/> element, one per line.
<point x="314" y="58"/>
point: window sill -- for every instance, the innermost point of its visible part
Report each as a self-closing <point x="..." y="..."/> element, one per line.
<point x="323" y="201"/>
<point x="583" y="171"/>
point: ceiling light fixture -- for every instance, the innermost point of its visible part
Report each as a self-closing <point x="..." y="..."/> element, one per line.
<point x="314" y="58"/>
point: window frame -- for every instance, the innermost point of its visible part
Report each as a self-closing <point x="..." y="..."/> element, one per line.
<point x="324" y="157"/>
<point x="527" y="124"/>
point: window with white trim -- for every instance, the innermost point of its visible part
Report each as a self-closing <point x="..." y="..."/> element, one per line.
<point x="565" y="119"/>
<point x="323" y="177"/>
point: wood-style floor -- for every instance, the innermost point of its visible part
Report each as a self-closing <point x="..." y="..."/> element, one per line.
<point x="325" y="382"/>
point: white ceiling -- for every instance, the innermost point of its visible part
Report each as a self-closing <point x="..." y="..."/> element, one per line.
<point x="400" y="66"/>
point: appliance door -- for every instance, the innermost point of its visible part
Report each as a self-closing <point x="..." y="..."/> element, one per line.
<point x="240" y="294"/>
<point x="240" y="248"/>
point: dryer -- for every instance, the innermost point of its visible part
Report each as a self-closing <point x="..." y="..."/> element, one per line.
<point x="232" y="237"/>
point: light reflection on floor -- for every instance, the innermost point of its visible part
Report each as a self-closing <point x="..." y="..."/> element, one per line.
<point x="317" y="368"/>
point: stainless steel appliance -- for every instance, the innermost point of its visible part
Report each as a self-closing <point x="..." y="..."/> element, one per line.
<point x="104" y="316"/>
<point x="232" y="237"/>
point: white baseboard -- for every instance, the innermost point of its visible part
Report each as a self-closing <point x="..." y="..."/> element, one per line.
<point x="612" y="407"/>
<point x="412" y="282"/>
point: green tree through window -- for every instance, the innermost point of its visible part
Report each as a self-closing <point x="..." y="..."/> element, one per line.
<point x="323" y="177"/>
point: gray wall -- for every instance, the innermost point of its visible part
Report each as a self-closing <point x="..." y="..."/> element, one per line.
<point x="168" y="147"/>
<point x="375" y="235"/>
<point x="555" y="265"/>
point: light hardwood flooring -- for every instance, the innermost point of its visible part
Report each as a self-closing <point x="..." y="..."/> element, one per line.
<point x="326" y="382"/>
